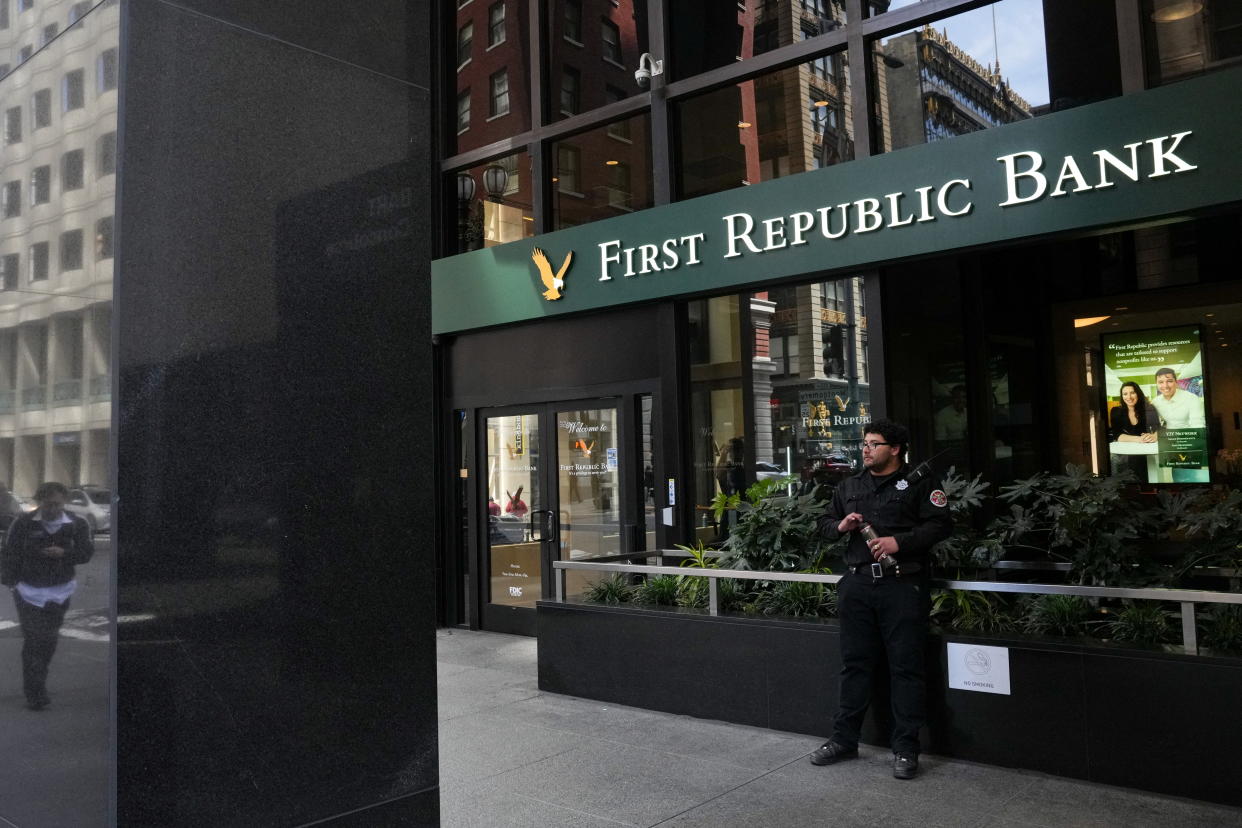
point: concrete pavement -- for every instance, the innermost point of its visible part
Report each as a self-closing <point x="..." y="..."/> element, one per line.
<point x="512" y="756"/>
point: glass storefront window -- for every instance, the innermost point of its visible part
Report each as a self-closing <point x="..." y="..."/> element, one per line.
<point x="515" y="568"/>
<point x="776" y="125"/>
<point x="717" y="412"/>
<point x="493" y="203"/>
<point x="1189" y="37"/>
<point x="593" y="50"/>
<point x="492" y="93"/>
<point x="709" y="34"/>
<point x="809" y="369"/>
<point x="602" y="173"/>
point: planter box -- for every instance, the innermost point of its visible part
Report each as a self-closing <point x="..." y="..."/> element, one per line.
<point x="1156" y="721"/>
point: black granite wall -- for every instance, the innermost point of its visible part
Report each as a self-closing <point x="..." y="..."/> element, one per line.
<point x="275" y="555"/>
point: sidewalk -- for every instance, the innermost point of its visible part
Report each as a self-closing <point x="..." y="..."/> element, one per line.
<point x="513" y="756"/>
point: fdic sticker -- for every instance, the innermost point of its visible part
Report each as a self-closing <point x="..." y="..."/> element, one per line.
<point x="978" y="668"/>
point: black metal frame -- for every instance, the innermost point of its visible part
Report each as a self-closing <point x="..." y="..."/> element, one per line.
<point x="853" y="38"/>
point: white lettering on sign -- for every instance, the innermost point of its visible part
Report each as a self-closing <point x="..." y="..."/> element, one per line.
<point x="1024" y="171"/>
<point x="651" y="258"/>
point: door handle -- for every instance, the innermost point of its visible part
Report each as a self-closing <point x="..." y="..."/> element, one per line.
<point x="546" y="528"/>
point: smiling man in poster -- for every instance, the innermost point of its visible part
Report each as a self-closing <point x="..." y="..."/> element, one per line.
<point x="1183" y="433"/>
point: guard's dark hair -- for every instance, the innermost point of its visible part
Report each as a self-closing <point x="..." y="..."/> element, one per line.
<point x="1167" y="371"/>
<point x="893" y="433"/>
<point x="50" y="488"/>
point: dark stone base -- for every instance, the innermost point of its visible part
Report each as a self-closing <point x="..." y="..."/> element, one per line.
<point x="1147" y="720"/>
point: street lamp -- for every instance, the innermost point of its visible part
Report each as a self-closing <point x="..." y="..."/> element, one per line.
<point x="495" y="181"/>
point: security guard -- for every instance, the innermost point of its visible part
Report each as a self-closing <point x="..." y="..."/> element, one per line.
<point x="894" y="515"/>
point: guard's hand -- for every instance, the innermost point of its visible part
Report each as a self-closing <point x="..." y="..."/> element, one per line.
<point x="54" y="551"/>
<point x="882" y="546"/>
<point x="850" y="522"/>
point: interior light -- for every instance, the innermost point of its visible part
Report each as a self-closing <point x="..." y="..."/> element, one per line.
<point x="1087" y="321"/>
<point x="821" y="103"/>
<point x="555" y="179"/>
<point x="1122" y="308"/>
<point x="528" y="218"/>
<point x="1209" y="314"/>
<point x="612" y="163"/>
<point x="743" y="124"/>
<point x="1173" y="10"/>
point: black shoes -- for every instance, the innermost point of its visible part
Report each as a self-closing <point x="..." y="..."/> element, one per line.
<point x="905" y="765"/>
<point x="830" y="752"/>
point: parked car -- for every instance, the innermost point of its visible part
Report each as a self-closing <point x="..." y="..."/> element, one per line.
<point x="93" y="503"/>
<point x="768" y="471"/>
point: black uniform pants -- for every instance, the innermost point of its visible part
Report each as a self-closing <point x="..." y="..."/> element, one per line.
<point x="41" y="629"/>
<point x="884" y="618"/>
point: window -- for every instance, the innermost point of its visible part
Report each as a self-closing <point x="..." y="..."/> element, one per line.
<point x="107" y="70"/>
<point x="41" y="106"/>
<point x="4" y="14"/>
<point x="619" y="185"/>
<point x="25" y="5"/>
<point x="73" y="90"/>
<point x="25" y="53"/>
<point x="567" y="165"/>
<point x="70" y="250"/>
<point x="13" y="125"/>
<point x="573" y="21"/>
<point x="78" y="10"/>
<point x="72" y="170"/>
<point x="612" y="41"/>
<point x="49" y="32"/>
<point x="11" y="199"/>
<point x="9" y="267"/>
<point x="103" y="238"/>
<point x="4" y="67"/>
<point x="38" y="261"/>
<point x="463" y="111"/>
<point x="500" y="94"/>
<point x="571" y="91"/>
<point x="105" y="154"/>
<point x="819" y="112"/>
<point x="41" y="185"/>
<point x="465" y="39"/>
<point x="621" y="129"/>
<point x="496" y="24"/>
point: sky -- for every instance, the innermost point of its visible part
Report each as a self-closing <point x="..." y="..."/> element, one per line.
<point x="1019" y="43"/>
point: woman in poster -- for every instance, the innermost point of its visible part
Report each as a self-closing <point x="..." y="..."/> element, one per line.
<point x="1131" y="422"/>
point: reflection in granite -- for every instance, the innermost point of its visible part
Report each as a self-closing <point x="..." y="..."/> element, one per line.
<point x="276" y="566"/>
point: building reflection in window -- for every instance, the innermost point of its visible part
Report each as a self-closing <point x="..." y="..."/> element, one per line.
<point x="709" y="34"/>
<point x="810" y="379"/>
<point x="779" y="124"/>
<point x="593" y="50"/>
<point x="493" y="203"/>
<point x="602" y="173"/>
<point x="492" y="51"/>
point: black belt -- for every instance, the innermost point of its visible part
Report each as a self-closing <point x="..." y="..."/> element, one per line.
<point x="878" y="570"/>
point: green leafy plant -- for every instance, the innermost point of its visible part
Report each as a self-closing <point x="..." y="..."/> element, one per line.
<point x="660" y="590"/>
<point x="1144" y="622"/>
<point x="1082" y="518"/>
<point x="969" y="611"/>
<point x="773" y="532"/>
<point x="1065" y="615"/>
<point x="797" y="599"/>
<point x="966" y="548"/>
<point x="1211" y="520"/>
<point x="1222" y="628"/>
<point x="610" y="590"/>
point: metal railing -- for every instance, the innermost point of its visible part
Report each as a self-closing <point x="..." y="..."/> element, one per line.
<point x="1188" y="598"/>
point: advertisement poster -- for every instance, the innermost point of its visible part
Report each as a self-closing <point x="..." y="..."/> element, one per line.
<point x="1155" y="404"/>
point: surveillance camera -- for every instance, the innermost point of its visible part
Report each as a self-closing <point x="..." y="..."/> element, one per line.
<point x="648" y="67"/>
<point x="643" y="77"/>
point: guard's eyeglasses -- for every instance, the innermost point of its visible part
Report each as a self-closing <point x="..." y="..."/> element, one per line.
<point x="872" y="446"/>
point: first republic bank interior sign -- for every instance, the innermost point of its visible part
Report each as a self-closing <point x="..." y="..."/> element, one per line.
<point x="1142" y="156"/>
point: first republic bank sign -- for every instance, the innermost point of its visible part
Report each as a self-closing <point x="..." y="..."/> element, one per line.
<point x="1147" y="155"/>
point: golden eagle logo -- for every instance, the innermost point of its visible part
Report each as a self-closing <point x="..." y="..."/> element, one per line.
<point x="554" y="283"/>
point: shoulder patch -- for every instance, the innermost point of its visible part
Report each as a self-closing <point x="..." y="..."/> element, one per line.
<point x="939" y="498"/>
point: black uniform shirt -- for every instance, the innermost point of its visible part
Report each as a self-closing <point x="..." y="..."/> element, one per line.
<point x="916" y="514"/>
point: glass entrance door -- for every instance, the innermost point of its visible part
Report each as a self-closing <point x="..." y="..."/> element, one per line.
<point x="588" y="488"/>
<point x="514" y="561"/>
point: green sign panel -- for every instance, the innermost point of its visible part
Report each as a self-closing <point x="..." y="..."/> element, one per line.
<point x="1155" y="153"/>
